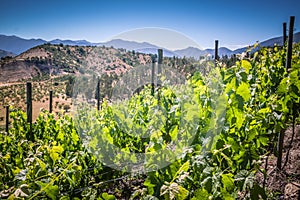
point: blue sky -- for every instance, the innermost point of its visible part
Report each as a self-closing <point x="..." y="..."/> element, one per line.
<point x="233" y="23"/>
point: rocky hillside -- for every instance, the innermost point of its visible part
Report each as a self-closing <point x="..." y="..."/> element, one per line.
<point x="64" y="59"/>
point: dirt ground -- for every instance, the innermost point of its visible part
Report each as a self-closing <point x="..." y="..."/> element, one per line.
<point x="285" y="183"/>
<point x="37" y="106"/>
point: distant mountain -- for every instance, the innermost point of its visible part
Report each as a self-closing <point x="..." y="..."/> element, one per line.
<point x="128" y="45"/>
<point x="190" y="52"/>
<point x="71" y="42"/>
<point x="270" y="43"/>
<point x="224" y="51"/>
<point x="279" y="40"/>
<point x="196" y="53"/>
<point x="6" y="53"/>
<point x="142" y="47"/>
<point x="18" y="45"/>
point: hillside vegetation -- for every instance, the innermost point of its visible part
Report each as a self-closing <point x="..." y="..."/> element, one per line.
<point x="60" y="59"/>
<point x="55" y="67"/>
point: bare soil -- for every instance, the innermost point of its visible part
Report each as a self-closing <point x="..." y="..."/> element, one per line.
<point x="284" y="183"/>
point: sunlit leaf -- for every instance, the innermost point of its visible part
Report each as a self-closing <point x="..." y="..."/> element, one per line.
<point x="244" y="91"/>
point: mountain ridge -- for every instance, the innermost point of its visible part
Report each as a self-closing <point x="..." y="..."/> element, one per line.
<point x="196" y="53"/>
<point x="18" y="45"/>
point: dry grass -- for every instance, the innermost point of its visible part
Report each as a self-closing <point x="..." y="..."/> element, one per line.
<point x="14" y="94"/>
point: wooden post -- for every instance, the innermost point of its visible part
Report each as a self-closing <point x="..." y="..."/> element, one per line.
<point x="7" y="119"/>
<point x="288" y="66"/>
<point x="216" y="52"/>
<point x="284" y="34"/>
<point x="279" y="148"/>
<point x="152" y="76"/>
<point x="290" y="43"/>
<point x="98" y="94"/>
<point x="50" y="101"/>
<point x="29" y="109"/>
<point x="29" y="102"/>
<point x="159" y="61"/>
<point x="174" y="62"/>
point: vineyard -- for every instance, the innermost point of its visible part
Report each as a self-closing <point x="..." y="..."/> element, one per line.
<point x="217" y="140"/>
